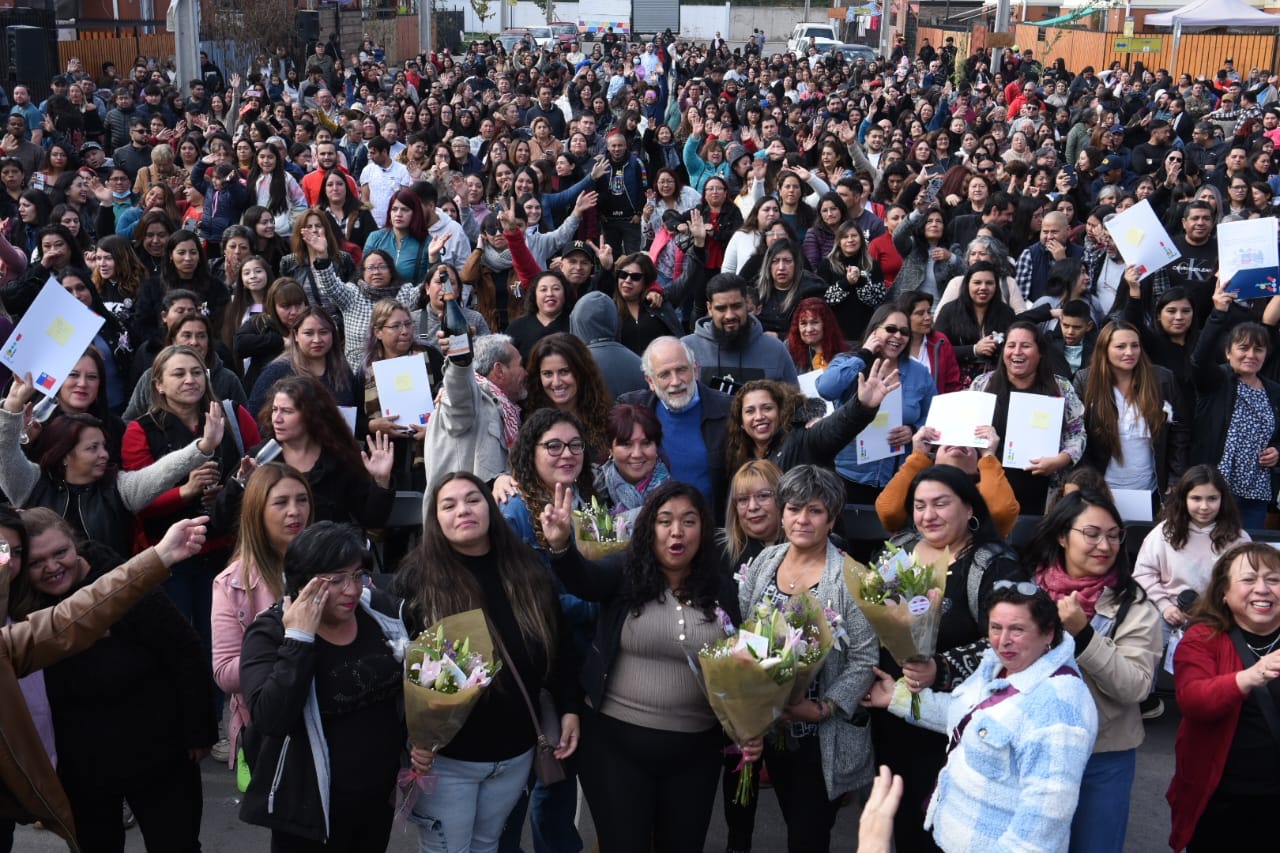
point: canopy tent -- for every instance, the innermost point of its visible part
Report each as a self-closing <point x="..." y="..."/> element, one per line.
<point x="1206" y="14"/>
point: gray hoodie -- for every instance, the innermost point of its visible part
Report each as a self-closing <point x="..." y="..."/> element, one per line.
<point x="758" y="353"/>
<point x="594" y="321"/>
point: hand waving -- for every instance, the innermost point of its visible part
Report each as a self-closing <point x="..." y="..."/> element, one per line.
<point x="379" y="459"/>
<point x="876" y="385"/>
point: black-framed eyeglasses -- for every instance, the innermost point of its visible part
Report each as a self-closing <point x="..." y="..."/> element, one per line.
<point x="630" y="276"/>
<point x="905" y="331"/>
<point x="1021" y="587"/>
<point x="556" y="447"/>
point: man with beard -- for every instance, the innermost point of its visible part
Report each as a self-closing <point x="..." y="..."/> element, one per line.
<point x="1198" y="266"/>
<point x="694" y="417"/>
<point x="730" y="343"/>
<point x="477" y="415"/>
<point x="622" y="196"/>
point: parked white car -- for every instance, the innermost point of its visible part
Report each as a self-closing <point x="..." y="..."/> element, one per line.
<point x="809" y="35"/>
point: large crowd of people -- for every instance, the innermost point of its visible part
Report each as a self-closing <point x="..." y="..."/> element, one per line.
<point x="691" y="276"/>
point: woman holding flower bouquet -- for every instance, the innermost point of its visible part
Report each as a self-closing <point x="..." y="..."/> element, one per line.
<point x="1081" y="562"/>
<point x="651" y="744"/>
<point x="324" y="684"/>
<point x="823" y="746"/>
<point x="468" y="559"/>
<point x="950" y="520"/>
<point x="1019" y="729"/>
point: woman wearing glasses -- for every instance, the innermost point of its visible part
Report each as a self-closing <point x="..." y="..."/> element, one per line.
<point x="887" y="337"/>
<point x="1081" y="563"/>
<point x="949" y="518"/>
<point x="1019" y="730"/>
<point x="391" y="335"/>
<point x="324" y="686"/>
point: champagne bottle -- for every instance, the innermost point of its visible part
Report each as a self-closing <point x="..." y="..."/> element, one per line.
<point x="454" y="323"/>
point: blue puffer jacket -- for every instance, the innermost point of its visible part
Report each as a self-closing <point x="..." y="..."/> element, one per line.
<point x="840" y="381"/>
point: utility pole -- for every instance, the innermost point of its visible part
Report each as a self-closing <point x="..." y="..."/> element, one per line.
<point x="181" y="20"/>
<point x="424" y="25"/>
<point x="1002" y="26"/>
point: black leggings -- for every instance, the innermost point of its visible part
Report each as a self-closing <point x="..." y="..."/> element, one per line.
<point x="648" y="789"/>
<point x="1236" y="818"/>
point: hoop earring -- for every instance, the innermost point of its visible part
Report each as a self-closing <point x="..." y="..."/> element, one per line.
<point x="974" y="524"/>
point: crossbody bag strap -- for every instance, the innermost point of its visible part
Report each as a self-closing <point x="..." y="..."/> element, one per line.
<point x="1266" y="702"/>
<point x="515" y="673"/>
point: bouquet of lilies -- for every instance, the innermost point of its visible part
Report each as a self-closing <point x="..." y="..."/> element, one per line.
<point x="599" y="531"/>
<point x="820" y="629"/>
<point x="749" y="677"/>
<point x="902" y="600"/>
<point x="446" y="670"/>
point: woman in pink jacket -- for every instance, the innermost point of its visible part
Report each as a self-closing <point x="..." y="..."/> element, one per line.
<point x="277" y="506"/>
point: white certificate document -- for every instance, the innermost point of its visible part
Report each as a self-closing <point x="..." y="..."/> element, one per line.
<point x="1133" y="504"/>
<point x="1142" y="240"/>
<point x="50" y="338"/>
<point x="1248" y="258"/>
<point x="404" y="388"/>
<point x="1033" y="429"/>
<point x="872" y="443"/>
<point x="958" y="415"/>
<point x="809" y="387"/>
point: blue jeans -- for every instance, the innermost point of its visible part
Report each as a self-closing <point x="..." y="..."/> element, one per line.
<point x="470" y="803"/>
<point x="1253" y="513"/>
<point x="552" y="827"/>
<point x="1102" y="814"/>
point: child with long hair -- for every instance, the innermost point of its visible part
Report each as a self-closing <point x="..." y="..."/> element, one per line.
<point x="1200" y="523"/>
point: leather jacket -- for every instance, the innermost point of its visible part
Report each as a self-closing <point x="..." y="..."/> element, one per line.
<point x="29" y="786"/>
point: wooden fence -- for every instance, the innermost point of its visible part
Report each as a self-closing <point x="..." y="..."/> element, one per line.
<point x="95" y="47"/>
<point x="1198" y="53"/>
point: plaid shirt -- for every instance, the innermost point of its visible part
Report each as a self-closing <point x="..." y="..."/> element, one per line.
<point x="355" y="301"/>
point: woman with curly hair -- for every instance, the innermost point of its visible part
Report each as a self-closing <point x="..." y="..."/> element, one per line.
<point x="815" y="336"/>
<point x="767" y="421"/>
<point x="562" y="374"/>
<point x="548" y="302"/>
<point x="650" y="759"/>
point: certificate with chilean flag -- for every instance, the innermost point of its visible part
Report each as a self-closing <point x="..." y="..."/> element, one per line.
<point x="50" y="338"/>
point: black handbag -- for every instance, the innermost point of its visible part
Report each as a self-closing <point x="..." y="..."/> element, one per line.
<point x="546" y="723"/>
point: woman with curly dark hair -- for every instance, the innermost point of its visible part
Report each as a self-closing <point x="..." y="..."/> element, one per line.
<point x="562" y="374"/>
<point x="550" y="450"/>
<point x="650" y="758"/>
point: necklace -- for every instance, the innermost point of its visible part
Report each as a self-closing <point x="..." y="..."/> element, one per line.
<point x="1262" y="651"/>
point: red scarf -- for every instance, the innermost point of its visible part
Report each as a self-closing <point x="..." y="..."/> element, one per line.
<point x="1058" y="584"/>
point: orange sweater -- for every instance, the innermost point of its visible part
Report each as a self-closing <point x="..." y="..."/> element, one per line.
<point x="992" y="484"/>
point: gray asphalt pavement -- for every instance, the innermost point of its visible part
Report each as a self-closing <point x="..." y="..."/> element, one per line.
<point x="224" y="833"/>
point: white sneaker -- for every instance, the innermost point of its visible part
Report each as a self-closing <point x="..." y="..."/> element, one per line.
<point x="221" y="751"/>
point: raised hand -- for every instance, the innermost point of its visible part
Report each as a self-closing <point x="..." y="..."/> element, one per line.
<point x="379" y="459"/>
<point x="604" y="252"/>
<point x="317" y="245"/>
<point x="876" y="385"/>
<point x="214" y="428"/>
<point x="586" y="201"/>
<point x="557" y="519"/>
<point x="438" y="243"/>
<point x="697" y="227"/>
<point x="20" y="393"/>
<point x="182" y="540"/>
<point x="1222" y="298"/>
<point x="304" y="612"/>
